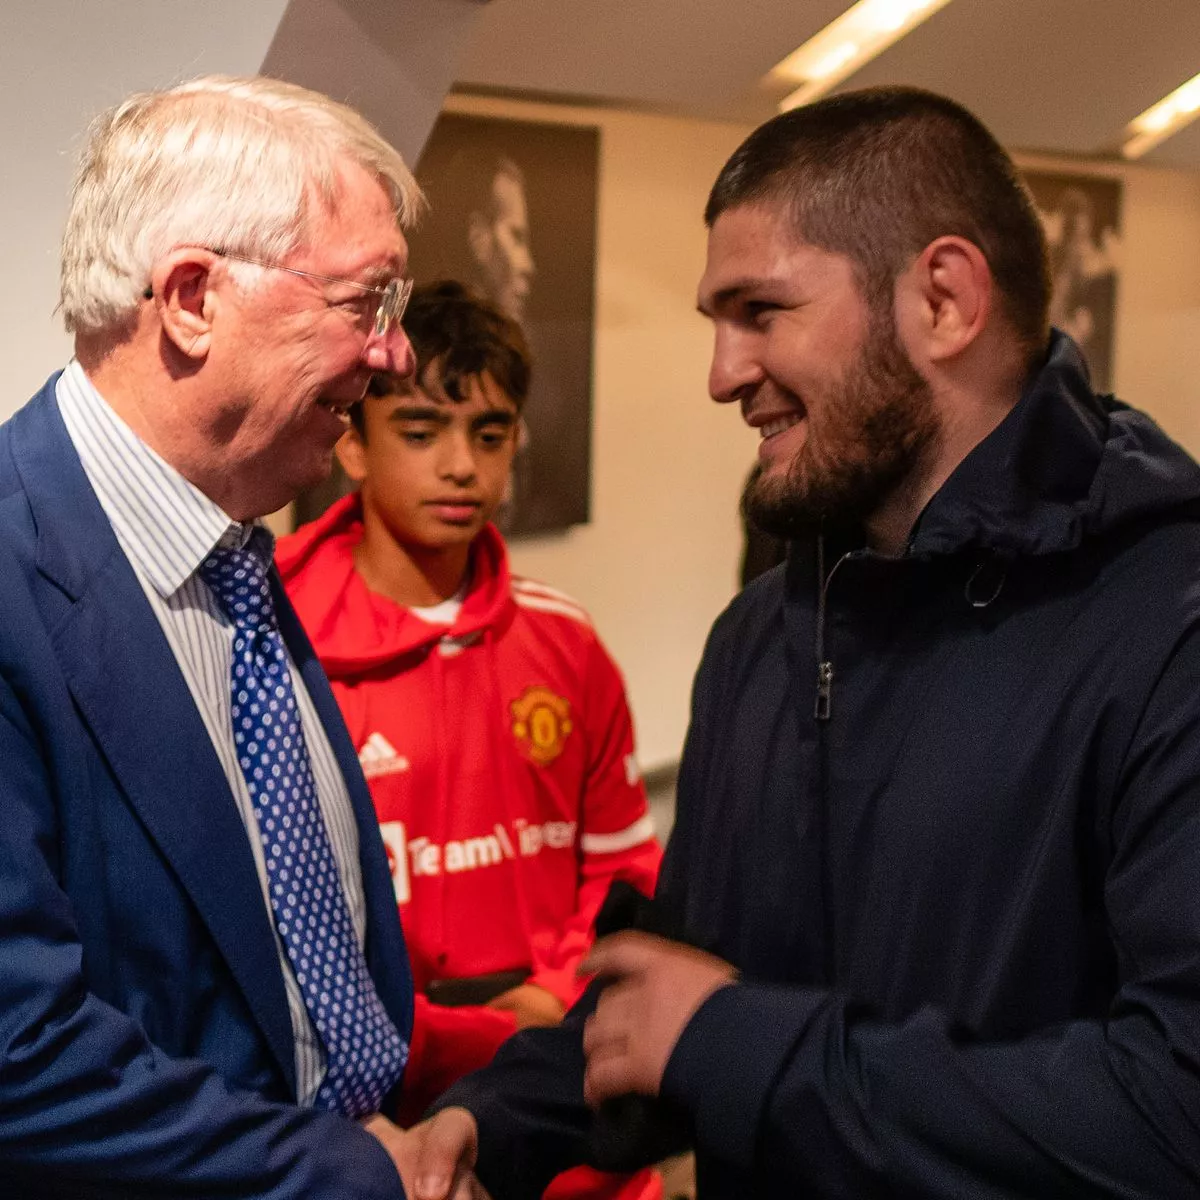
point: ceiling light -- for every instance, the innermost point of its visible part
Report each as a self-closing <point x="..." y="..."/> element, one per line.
<point x="835" y="60"/>
<point x="844" y="45"/>
<point x="1161" y="120"/>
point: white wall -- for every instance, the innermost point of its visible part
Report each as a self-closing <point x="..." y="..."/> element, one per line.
<point x="61" y="63"/>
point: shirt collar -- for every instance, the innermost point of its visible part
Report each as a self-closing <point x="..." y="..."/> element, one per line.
<point x="164" y="523"/>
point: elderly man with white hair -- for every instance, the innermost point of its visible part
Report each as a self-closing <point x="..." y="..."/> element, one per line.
<point x="203" y="984"/>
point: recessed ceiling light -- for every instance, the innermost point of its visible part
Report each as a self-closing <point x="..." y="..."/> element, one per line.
<point x="845" y="44"/>
<point x="1161" y="120"/>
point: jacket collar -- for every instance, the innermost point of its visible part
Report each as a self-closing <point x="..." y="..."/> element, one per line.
<point x="1062" y="464"/>
<point x="61" y="500"/>
<point x="164" y="523"/>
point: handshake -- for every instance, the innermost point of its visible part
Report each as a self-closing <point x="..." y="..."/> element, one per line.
<point x="435" y="1159"/>
<point x="652" y="986"/>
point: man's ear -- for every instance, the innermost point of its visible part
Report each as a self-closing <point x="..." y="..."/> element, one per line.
<point x="352" y="454"/>
<point x="185" y="301"/>
<point x="945" y="298"/>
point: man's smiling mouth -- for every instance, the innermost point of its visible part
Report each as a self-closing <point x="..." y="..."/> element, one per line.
<point x="339" y="408"/>
<point x="771" y="428"/>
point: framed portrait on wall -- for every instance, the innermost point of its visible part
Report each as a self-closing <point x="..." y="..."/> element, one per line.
<point x="513" y="213"/>
<point x="1082" y="218"/>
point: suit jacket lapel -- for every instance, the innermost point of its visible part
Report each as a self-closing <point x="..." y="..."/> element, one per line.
<point x="134" y="699"/>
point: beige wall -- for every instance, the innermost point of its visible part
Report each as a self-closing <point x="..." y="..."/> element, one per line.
<point x="1157" y="361"/>
<point x="1158" y="302"/>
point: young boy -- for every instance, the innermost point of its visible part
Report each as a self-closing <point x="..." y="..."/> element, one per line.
<point x="490" y="722"/>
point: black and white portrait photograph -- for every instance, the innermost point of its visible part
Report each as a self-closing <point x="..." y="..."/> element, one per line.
<point x="512" y="212"/>
<point x="1082" y="218"/>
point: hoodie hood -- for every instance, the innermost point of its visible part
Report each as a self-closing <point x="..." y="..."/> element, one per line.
<point x="1063" y="465"/>
<point x="352" y="629"/>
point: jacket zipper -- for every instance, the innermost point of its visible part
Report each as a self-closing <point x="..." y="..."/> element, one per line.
<point x="822" y="709"/>
<point x="824" y="691"/>
<point x="823" y="706"/>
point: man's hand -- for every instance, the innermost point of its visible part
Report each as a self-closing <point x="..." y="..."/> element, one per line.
<point x="656" y="987"/>
<point x="434" y="1159"/>
<point x="531" y="1005"/>
<point x="447" y="1145"/>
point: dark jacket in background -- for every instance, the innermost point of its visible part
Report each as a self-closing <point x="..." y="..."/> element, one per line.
<point x="966" y="898"/>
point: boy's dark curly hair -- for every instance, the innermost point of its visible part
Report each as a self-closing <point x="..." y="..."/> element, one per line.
<point x="455" y="328"/>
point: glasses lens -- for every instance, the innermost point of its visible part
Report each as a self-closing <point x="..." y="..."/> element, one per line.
<point x="392" y="304"/>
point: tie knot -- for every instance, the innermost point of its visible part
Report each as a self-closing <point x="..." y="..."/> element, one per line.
<point x="237" y="576"/>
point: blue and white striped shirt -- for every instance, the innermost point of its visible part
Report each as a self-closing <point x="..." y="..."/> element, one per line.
<point x="167" y="527"/>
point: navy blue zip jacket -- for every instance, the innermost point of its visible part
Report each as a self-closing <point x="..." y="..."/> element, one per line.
<point x="943" y="812"/>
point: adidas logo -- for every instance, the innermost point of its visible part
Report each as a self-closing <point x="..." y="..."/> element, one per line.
<point x="378" y="757"/>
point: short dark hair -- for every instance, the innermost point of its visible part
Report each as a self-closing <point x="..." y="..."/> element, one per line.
<point x="880" y="173"/>
<point x="455" y="328"/>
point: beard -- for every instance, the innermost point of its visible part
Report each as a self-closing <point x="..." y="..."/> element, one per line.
<point x="877" y="424"/>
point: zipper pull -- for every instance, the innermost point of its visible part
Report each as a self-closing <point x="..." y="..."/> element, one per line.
<point x="824" y="691"/>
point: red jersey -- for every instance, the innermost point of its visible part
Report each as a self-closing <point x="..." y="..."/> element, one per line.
<point x="500" y="755"/>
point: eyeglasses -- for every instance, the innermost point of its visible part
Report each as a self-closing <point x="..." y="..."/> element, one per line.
<point x="393" y="296"/>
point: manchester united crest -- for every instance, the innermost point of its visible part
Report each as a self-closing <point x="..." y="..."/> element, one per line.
<point x="541" y="724"/>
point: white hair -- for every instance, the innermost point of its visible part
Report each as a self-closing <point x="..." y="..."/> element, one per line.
<point x="223" y="162"/>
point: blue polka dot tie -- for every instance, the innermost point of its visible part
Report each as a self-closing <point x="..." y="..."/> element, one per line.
<point x="365" y="1052"/>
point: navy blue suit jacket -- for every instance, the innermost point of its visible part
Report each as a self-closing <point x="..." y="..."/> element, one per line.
<point x="145" y="1043"/>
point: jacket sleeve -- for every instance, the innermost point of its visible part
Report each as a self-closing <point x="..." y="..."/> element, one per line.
<point x="796" y="1086"/>
<point x="533" y="1122"/>
<point x="616" y="839"/>
<point x="88" y="1107"/>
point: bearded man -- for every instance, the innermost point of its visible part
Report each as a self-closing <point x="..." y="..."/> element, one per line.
<point x="938" y="828"/>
